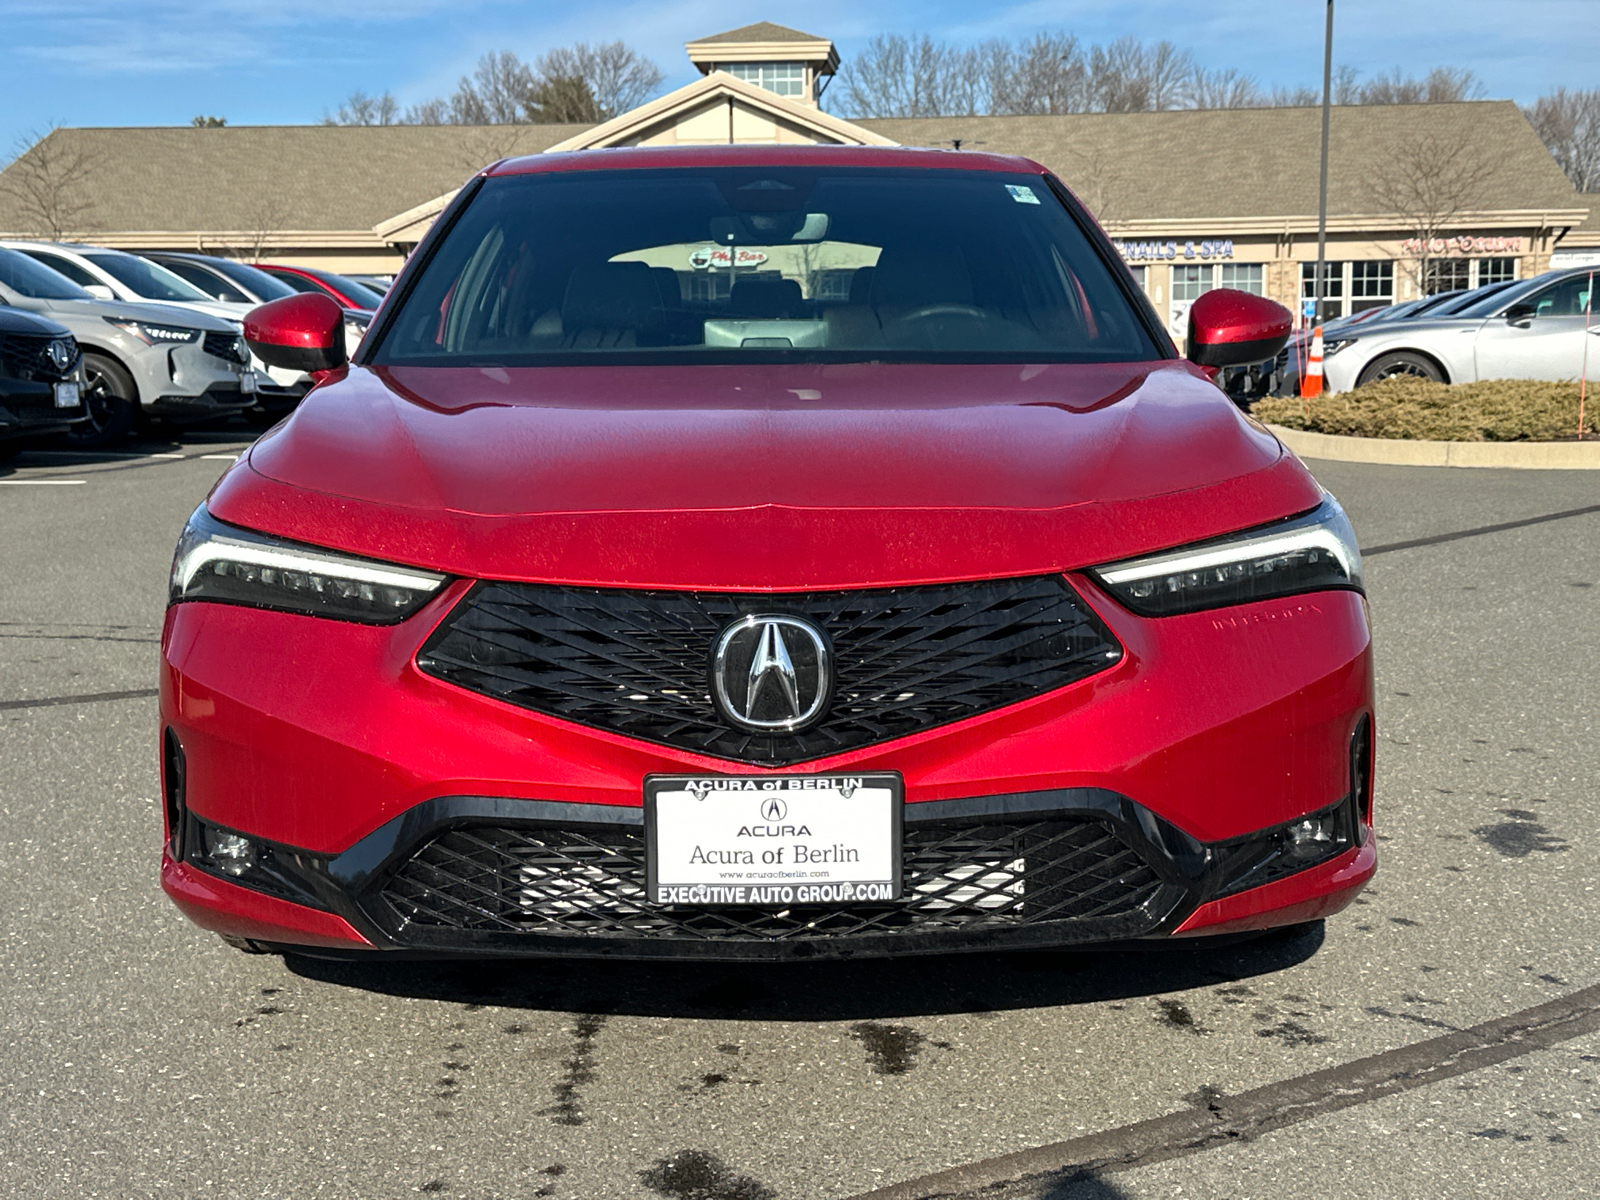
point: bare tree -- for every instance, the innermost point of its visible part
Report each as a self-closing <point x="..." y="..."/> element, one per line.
<point x="617" y="77"/>
<point x="1569" y="124"/>
<point x="1045" y="75"/>
<point x="1442" y="85"/>
<point x="899" y="76"/>
<point x="495" y="94"/>
<point x="562" y="100"/>
<point x="1223" y="89"/>
<point x="1432" y="184"/>
<point x="205" y="122"/>
<point x="361" y="109"/>
<point x="46" y="187"/>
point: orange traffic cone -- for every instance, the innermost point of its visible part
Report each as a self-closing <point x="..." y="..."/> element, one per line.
<point x="1311" y="377"/>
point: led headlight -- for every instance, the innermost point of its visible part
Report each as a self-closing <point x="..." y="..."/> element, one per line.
<point x="1310" y="553"/>
<point x="230" y="565"/>
<point x="152" y="334"/>
<point x="1333" y="345"/>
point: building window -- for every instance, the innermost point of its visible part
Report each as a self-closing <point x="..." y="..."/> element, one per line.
<point x="779" y="78"/>
<point x="1371" y="284"/>
<point x="1447" y="275"/>
<point x="1332" y="287"/>
<point x="1191" y="282"/>
<point x="831" y="286"/>
<point x="1140" y="276"/>
<point x="1247" y="277"/>
<point x="1496" y="270"/>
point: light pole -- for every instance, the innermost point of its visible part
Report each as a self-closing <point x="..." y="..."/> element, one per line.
<point x="1322" y="189"/>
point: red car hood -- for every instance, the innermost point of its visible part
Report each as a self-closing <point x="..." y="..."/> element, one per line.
<point x="763" y="477"/>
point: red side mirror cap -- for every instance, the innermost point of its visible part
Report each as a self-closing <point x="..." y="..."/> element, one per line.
<point x="1229" y="328"/>
<point x="298" y="333"/>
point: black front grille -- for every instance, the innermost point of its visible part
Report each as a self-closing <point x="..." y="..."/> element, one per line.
<point x="554" y="880"/>
<point x="636" y="662"/>
<point x="26" y="356"/>
<point x="226" y="345"/>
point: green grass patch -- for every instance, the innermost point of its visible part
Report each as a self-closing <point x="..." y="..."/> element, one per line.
<point x="1497" y="410"/>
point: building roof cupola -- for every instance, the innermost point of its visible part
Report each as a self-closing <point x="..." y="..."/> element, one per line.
<point x="784" y="61"/>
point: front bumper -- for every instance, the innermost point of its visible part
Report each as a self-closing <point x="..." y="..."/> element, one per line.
<point x="351" y="769"/>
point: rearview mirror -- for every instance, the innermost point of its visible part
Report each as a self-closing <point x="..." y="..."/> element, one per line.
<point x="298" y="333"/>
<point x="1229" y="328"/>
<point x="99" y="291"/>
<point x="1521" y="312"/>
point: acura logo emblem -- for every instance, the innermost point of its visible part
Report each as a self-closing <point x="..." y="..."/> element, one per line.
<point x="771" y="673"/>
<point x="60" y="353"/>
<point x="773" y="809"/>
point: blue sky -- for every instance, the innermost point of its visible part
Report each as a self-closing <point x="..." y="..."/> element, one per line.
<point x="77" y="62"/>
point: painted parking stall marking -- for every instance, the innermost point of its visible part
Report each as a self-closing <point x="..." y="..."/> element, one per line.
<point x="773" y="841"/>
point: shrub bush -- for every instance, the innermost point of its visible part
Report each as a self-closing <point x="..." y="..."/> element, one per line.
<point x="1496" y="410"/>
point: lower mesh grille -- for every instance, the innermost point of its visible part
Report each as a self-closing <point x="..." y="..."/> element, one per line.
<point x="591" y="883"/>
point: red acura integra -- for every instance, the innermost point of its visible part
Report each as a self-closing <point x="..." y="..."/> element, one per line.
<point x="764" y="552"/>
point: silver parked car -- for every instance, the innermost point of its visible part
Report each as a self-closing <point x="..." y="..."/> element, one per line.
<point x="1535" y="329"/>
<point x="235" y="282"/>
<point x="139" y="360"/>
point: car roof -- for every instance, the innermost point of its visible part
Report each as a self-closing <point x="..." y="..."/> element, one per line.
<point x="658" y="157"/>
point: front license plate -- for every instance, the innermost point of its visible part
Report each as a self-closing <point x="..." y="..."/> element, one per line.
<point x="67" y="395"/>
<point x="247" y="384"/>
<point x="773" y="840"/>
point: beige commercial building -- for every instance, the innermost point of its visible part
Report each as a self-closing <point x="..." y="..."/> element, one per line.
<point x="1421" y="196"/>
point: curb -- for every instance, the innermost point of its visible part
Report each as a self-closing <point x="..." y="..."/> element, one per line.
<point x="1527" y="456"/>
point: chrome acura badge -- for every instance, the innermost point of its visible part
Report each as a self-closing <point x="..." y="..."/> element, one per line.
<point x="61" y="354"/>
<point x="771" y="673"/>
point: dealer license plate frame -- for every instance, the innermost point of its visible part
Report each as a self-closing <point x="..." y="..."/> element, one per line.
<point x="891" y="781"/>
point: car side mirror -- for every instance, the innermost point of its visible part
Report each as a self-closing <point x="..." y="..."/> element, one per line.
<point x="99" y="291"/>
<point x="304" y="332"/>
<point x="1229" y="328"/>
<point x="1521" y="312"/>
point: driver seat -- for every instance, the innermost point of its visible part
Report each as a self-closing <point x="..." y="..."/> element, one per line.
<point x="907" y="279"/>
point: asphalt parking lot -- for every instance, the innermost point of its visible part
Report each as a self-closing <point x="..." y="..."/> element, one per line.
<point x="143" y="1057"/>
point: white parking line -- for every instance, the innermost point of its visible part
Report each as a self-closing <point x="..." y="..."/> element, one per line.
<point x="40" y="482"/>
<point x="220" y="457"/>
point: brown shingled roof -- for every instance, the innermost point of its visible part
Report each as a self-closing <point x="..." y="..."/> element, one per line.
<point x="283" y="177"/>
<point x="1251" y="162"/>
<point x="761" y="31"/>
<point x="1182" y="166"/>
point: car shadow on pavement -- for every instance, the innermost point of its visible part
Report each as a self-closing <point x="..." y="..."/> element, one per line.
<point x="821" y="991"/>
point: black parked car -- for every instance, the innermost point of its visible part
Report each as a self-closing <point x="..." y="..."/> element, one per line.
<point x="41" y="379"/>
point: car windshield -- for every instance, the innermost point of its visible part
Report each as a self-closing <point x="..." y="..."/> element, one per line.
<point x="768" y="263"/>
<point x="1475" y="297"/>
<point x="256" y="281"/>
<point x="144" y="279"/>
<point x="35" y="280"/>
<point x="357" y="292"/>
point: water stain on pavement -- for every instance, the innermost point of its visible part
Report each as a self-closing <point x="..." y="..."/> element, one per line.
<point x="1520" y="836"/>
<point x="698" y="1175"/>
<point x="1292" y="1033"/>
<point x="1175" y="1014"/>
<point x="579" y="1070"/>
<point x="891" y="1049"/>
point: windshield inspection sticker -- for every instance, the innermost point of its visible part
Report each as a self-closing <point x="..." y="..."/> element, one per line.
<point x="1022" y="194"/>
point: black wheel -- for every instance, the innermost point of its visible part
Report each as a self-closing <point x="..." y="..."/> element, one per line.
<point x="111" y="400"/>
<point x="1401" y="364"/>
<point x="12" y="447"/>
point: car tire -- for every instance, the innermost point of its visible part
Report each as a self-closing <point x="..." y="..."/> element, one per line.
<point x="1401" y="364"/>
<point x="112" y="402"/>
<point x="12" y="447"/>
